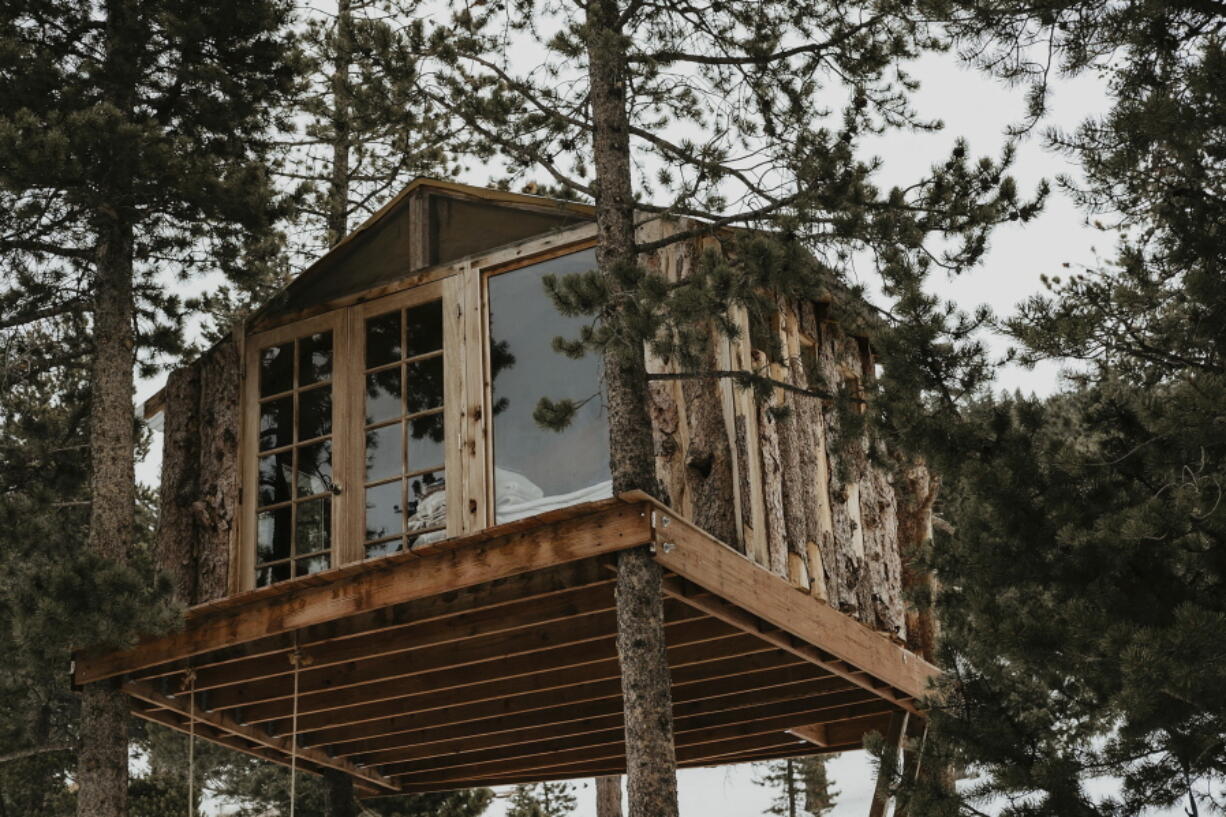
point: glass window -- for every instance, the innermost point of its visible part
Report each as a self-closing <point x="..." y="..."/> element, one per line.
<point x="294" y="492"/>
<point x="405" y="498"/>
<point x="535" y="468"/>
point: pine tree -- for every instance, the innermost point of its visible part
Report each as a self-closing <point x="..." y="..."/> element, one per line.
<point x="1084" y="567"/>
<point x="370" y="126"/>
<point x="130" y="147"/>
<point x="800" y="784"/>
<point x="745" y="79"/>
<point x="542" y="800"/>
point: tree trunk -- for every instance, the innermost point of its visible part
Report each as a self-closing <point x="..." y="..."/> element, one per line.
<point x="341" y="802"/>
<point x="651" y="763"/>
<point x="338" y="186"/>
<point x="102" y="764"/>
<point x="609" y="796"/>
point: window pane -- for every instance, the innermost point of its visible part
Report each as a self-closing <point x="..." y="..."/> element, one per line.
<point x="425" y="328"/>
<point x="276" y="423"/>
<point x="376" y="549"/>
<point x="427" y="501"/>
<point x="383" y="512"/>
<point x="383" y="395"/>
<point x="276" y="369"/>
<point x="315" y="468"/>
<point x="426" y="442"/>
<point x="312" y="564"/>
<point x="272" y="535"/>
<point x="539" y="468"/>
<point x="314" y="525"/>
<point x="271" y="575"/>
<point x="425" y="384"/>
<point x="382" y="339"/>
<point x="315" y="413"/>
<point x="275" y="472"/>
<point x="314" y="358"/>
<point x="383" y="452"/>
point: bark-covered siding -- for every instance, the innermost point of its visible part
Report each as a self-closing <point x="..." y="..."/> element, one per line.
<point x="199" y="492"/>
<point x="789" y="488"/>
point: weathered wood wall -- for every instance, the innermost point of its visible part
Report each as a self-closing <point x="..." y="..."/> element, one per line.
<point x="199" y="492"/>
<point x="790" y="488"/>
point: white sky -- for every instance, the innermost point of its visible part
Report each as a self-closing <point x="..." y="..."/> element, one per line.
<point x="979" y="109"/>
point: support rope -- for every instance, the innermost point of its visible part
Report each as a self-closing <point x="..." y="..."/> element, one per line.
<point x="189" y="680"/>
<point x="295" y="659"/>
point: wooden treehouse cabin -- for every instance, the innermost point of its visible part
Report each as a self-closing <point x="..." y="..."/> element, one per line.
<point x="393" y="571"/>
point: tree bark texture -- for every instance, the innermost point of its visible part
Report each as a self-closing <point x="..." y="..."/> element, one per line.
<point x="199" y="490"/>
<point x="338" y="185"/>
<point x="102" y="763"/>
<point x="341" y="800"/>
<point x="609" y="796"/>
<point x="651" y="761"/>
<point x="916" y="497"/>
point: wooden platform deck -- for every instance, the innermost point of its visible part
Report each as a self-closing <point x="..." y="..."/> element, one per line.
<point x="491" y="659"/>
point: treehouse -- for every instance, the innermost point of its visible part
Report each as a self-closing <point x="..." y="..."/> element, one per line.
<point x="394" y="572"/>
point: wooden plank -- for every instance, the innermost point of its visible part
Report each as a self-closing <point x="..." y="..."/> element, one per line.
<point x="592" y="716"/>
<point x="701" y="744"/>
<point x="815" y="733"/>
<point x="559" y="664"/>
<point x="695" y="664"/>
<point x="560" y="643"/>
<point x="592" y="530"/>
<point x="714" y="720"/>
<point x="728" y="575"/>
<point x="146" y="692"/>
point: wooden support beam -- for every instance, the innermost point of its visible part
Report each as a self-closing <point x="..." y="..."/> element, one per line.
<point x="505" y="604"/>
<point x="570" y="719"/>
<point x="556" y="659"/>
<point x="815" y="733"/>
<point x="146" y="692"/>
<point x="756" y="713"/>
<point x="581" y="532"/>
<point x="745" y="595"/>
<point x="692" y="665"/>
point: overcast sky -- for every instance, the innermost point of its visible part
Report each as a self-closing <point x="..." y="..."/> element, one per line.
<point x="979" y="109"/>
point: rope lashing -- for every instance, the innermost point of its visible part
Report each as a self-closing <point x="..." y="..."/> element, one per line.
<point x="189" y="681"/>
<point x="295" y="660"/>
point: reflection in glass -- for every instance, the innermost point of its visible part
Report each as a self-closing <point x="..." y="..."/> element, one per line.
<point x="383" y="452"/>
<point x="539" y="468"/>
<point x="314" y="413"/>
<point x="276" y="423"/>
<point x="384" y="548"/>
<point x="272" y="574"/>
<point x="312" y="564"/>
<point x="314" y="525"/>
<point x="276" y="369"/>
<point x="382" y="339"/>
<point x="426" y="442"/>
<point x="314" y="358"/>
<point x="427" y="503"/>
<point x="425" y="328"/>
<point x="315" y="468"/>
<point x="272" y="535"/>
<point x="274" y="474"/>
<point x="383" y="511"/>
<point x="425" y="384"/>
<point x="383" y="395"/>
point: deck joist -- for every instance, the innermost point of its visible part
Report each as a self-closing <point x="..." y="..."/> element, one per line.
<point x="491" y="659"/>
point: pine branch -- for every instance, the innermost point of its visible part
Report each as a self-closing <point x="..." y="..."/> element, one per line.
<point x="745" y="379"/>
<point x="760" y="59"/>
<point x="21" y="754"/>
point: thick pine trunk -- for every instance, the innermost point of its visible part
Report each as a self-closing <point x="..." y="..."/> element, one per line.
<point x="102" y="763"/>
<point x="341" y="800"/>
<point x="338" y="186"/>
<point x="609" y="796"/>
<point x="651" y="765"/>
